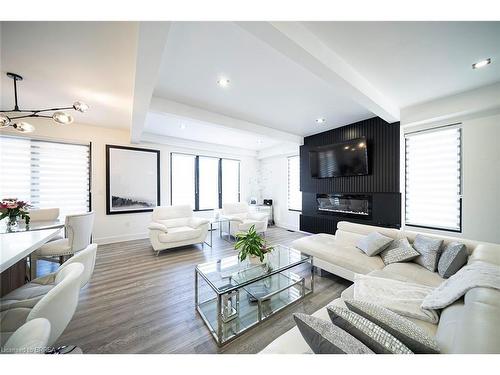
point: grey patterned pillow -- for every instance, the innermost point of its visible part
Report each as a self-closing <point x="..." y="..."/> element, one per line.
<point x="414" y="337"/>
<point x="453" y="257"/>
<point x="373" y="243"/>
<point x="399" y="251"/>
<point x="326" y="338"/>
<point x="429" y="250"/>
<point x="370" y="334"/>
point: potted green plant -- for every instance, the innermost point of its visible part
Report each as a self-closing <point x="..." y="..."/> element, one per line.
<point x="252" y="245"/>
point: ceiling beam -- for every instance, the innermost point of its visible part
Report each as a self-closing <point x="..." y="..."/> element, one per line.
<point x="150" y="48"/>
<point x="299" y="44"/>
<point x="196" y="145"/>
<point x="160" y="105"/>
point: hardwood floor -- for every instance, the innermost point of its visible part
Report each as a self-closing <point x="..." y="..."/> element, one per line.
<point x="137" y="302"/>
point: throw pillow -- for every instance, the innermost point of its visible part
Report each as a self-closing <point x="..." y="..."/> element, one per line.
<point x="414" y="337"/>
<point x="429" y="250"/>
<point x="373" y="243"/>
<point x="453" y="257"/>
<point x="370" y="334"/>
<point x="326" y="338"/>
<point x="399" y="251"/>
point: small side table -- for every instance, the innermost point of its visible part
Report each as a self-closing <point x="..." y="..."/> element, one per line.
<point x="268" y="209"/>
<point x="211" y="229"/>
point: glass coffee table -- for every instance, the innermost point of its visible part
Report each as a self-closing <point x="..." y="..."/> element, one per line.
<point x="233" y="296"/>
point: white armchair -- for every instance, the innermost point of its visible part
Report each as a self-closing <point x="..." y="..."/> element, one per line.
<point x="241" y="219"/>
<point x="174" y="226"/>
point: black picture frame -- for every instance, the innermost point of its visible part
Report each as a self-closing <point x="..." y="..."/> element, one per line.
<point x="109" y="208"/>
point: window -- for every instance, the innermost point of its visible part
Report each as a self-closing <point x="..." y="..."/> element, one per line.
<point x="46" y="174"/>
<point x="230" y="181"/>
<point x="182" y="187"/>
<point x="294" y="194"/>
<point x="204" y="182"/>
<point x="433" y="178"/>
<point x="209" y="183"/>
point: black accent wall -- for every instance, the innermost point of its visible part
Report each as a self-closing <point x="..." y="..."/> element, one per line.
<point x="382" y="181"/>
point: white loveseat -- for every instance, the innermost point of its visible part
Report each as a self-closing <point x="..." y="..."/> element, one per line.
<point x="174" y="226"/>
<point x="470" y="325"/>
<point x="241" y="218"/>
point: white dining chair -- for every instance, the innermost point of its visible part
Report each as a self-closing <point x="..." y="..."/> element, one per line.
<point x="31" y="338"/>
<point x="57" y="306"/>
<point x="78" y="230"/>
<point x="29" y="294"/>
<point x="44" y="214"/>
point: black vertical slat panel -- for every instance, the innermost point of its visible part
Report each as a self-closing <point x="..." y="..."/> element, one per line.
<point x="383" y="154"/>
<point x="383" y="178"/>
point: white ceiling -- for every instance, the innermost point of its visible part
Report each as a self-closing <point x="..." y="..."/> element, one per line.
<point x="274" y="91"/>
<point x="169" y="125"/>
<point x="66" y="61"/>
<point x="265" y="87"/>
<point x="414" y="62"/>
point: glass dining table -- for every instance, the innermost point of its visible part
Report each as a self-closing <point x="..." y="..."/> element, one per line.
<point x="32" y="226"/>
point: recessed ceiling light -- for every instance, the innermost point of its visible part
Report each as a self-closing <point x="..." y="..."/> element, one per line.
<point x="183" y="126"/>
<point x="223" y="82"/>
<point x="321" y="120"/>
<point x="481" y="64"/>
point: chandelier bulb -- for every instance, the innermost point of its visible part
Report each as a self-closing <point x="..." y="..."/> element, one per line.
<point x="4" y="121"/>
<point x="62" y="118"/>
<point x="80" y="106"/>
<point x="24" y="127"/>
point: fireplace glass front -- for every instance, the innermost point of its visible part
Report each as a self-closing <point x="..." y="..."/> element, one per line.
<point x="344" y="204"/>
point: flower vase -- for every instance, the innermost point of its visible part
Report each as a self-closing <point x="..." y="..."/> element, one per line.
<point x="12" y="222"/>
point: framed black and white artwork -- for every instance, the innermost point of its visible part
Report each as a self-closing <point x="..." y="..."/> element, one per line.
<point x="132" y="179"/>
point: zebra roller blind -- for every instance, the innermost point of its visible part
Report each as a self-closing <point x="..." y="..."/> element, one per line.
<point x="434" y="178"/>
<point x="46" y="174"/>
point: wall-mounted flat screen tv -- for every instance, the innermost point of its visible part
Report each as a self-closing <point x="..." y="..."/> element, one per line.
<point x="348" y="158"/>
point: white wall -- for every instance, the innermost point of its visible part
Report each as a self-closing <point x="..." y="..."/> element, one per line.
<point x="114" y="228"/>
<point x="273" y="174"/>
<point x="481" y="156"/>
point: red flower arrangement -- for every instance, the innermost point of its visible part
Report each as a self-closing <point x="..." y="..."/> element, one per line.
<point x="13" y="209"/>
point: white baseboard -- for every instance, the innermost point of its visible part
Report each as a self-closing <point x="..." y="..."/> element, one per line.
<point x="114" y="239"/>
<point x="286" y="226"/>
<point x="141" y="236"/>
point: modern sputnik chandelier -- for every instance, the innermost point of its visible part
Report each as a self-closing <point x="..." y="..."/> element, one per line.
<point x="15" y="117"/>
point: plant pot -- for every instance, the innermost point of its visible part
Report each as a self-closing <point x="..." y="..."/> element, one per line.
<point x="256" y="260"/>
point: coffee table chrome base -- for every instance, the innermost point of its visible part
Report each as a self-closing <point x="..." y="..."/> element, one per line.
<point x="226" y="327"/>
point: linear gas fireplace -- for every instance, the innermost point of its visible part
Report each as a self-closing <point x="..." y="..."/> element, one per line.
<point x="345" y="204"/>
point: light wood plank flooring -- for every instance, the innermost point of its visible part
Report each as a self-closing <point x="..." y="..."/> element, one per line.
<point x="137" y="302"/>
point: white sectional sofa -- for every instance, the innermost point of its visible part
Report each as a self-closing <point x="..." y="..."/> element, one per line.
<point x="470" y="325"/>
